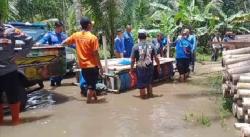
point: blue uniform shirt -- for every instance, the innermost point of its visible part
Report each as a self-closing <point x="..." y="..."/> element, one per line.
<point x="119" y="45"/>
<point x="192" y="40"/>
<point x="128" y="43"/>
<point x="164" y="41"/>
<point x="183" y="46"/>
<point x="52" y="38"/>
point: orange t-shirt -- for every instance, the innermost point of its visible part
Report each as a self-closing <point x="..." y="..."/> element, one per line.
<point x="86" y="45"/>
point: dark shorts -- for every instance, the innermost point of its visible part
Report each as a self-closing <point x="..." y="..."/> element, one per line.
<point x="183" y="65"/>
<point x="11" y="85"/>
<point x="55" y="79"/>
<point x="144" y="76"/>
<point x="91" y="75"/>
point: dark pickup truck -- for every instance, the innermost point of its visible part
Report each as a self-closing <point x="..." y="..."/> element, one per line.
<point x="40" y="64"/>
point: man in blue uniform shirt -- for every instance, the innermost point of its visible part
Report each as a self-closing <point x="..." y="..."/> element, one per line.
<point x="119" y="48"/>
<point x="128" y="41"/>
<point x="54" y="38"/>
<point x="183" y="51"/>
<point x="192" y="39"/>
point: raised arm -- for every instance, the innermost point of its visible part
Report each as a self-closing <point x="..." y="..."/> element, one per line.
<point x="26" y="47"/>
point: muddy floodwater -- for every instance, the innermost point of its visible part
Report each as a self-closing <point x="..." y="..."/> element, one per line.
<point x="179" y="110"/>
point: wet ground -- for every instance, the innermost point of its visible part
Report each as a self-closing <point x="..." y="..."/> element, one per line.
<point x="179" y="110"/>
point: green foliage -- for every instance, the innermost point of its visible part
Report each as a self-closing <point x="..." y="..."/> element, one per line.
<point x="71" y="21"/>
<point x="29" y="9"/>
<point x="225" y="106"/>
<point x="104" y="53"/>
<point x="3" y="10"/>
<point x="201" y="57"/>
<point x="205" y="17"/>
<point x="216" y="81"/>
<point x="200" y="119"/>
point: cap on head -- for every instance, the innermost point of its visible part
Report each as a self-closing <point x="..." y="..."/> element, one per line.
<point x="85" y="21"/>
<point x="58" y="24"/>
<point x="142" y="34"/>
<point x="119" y="30"/>
<point x="142" y="31"/>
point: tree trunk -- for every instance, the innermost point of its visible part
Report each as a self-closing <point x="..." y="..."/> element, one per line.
<point x="78" y="11"/>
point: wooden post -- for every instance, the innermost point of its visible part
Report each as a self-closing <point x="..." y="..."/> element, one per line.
<point x="168" y="51"/>
<point x="104" y="42"/>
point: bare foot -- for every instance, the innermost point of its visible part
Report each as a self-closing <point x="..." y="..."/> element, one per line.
<point x="150" y="95"/>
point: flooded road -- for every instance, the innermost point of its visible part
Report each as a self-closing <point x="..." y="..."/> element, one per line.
<point x="123" y="115"/>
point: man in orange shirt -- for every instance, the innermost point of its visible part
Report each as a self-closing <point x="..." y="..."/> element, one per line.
<point x="87" y="47"/>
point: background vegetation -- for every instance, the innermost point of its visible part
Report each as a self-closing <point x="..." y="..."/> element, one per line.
<point x="204" y="17"/>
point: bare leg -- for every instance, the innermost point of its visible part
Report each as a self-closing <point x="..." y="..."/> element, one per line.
<point x="95" y="96"/>
<point x="186" y="75"/>
<point x="90" y="95"/>
<point x="150" y="91"/>
<point x="142" y="93"/>
<point x="182" y="78"/>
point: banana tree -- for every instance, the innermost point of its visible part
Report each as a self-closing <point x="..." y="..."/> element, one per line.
<point x="8" y="10"/>
<point x="3" y="10"/>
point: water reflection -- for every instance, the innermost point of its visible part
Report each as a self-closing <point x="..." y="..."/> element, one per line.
<point x="39" y="99"/>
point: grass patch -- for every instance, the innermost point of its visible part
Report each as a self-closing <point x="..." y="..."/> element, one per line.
<point x="202" y="57"/>
<point x="215" y="81"/>
<point x="212" y="80"/>
<point x="225" y="106"/>
<point x="199" y="119"/>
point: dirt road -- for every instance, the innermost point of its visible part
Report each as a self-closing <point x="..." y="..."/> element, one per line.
<point x="181" y="110"/>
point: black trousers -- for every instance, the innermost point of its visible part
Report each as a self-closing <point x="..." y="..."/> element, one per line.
<point x="12" y="86"/>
